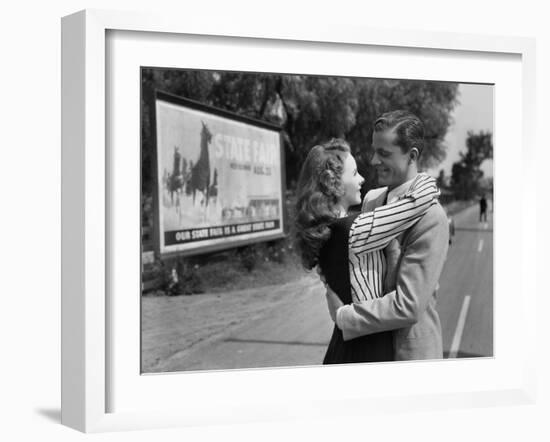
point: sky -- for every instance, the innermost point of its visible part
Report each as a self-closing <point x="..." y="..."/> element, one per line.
<point x="473" y="112"/>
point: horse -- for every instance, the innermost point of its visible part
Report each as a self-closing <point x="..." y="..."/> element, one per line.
<point x="175" y="181"/>
<point x="200" y="172"/>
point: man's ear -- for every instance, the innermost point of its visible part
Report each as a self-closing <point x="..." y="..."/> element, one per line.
<point x="414" y="154"/>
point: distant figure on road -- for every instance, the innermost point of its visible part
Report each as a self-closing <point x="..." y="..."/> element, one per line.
<point x="326" y="235"/>
<point x="482" y="209"/>
<point x="451" y="229"/>
<point x="451" y="222"/>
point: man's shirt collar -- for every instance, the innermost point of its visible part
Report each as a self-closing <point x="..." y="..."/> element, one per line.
<point x="399" y="191"/>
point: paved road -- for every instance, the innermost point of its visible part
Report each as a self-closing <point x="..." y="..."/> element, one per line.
<point x="296" y="329"/>
<point x="465" y="302"/>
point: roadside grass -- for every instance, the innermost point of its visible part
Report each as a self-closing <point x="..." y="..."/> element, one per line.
<point x="231" y="275"/>
<point x="257" y="265"/>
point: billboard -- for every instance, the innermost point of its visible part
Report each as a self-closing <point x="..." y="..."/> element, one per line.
<point x="219" y="178"/>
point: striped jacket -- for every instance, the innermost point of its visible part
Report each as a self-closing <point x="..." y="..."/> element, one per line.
<point x="409" y="309"/>
<point x="372" y="231"/>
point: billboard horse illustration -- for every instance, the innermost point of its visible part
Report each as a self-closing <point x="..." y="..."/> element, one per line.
<point x="189" y="178"/>
<point x="213" y="189"/>
<point x="199" y="178"/>
<point x="175" y="180"/>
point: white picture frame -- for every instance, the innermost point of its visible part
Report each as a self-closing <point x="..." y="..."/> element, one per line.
<point x="87" y="316"/>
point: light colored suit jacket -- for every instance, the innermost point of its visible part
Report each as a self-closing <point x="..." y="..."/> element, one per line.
<point x="410" y="309"/>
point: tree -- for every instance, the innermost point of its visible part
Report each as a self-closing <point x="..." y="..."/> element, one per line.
<point x="310" y="109"/>
<point x="441" y="179"/>
<point x="431" y="101"/>
<point x="466" y="173"/>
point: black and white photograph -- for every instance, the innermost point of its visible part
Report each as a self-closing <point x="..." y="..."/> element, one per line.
<point x="235" y="221"/>
<point x="295" y="220"/>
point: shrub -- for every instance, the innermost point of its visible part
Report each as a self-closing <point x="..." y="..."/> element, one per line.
<point x="178" y="276"/>
<point x="248" y="256"/>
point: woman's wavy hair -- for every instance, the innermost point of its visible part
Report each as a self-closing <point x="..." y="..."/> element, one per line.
<point x="318" y="193"/>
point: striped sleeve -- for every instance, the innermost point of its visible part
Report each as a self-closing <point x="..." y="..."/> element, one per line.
<point x="367" y="276"/>
<point x="374" y="230"/>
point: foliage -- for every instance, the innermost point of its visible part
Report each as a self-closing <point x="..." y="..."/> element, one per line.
<point x="441" y="179"/>
<point x="192" y="275"/>
<point x="276" y="251"/>
<point x="466" y="179"/>
<point x="310" y="109"/>
<point x="248" y="256"/>
<point x="176" y="276"/>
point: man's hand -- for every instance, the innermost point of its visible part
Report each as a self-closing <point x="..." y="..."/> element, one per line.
<point x="333" y="302"/>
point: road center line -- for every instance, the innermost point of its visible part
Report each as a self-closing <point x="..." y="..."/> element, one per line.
<point x="480" y="246"/>
<point x="455" y="345"/>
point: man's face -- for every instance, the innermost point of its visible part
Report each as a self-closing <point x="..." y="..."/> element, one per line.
<point x="392" y="165"/>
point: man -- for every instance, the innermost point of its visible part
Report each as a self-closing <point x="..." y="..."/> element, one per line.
<point x="409" y="307"/>
<point x="482" y="209"/>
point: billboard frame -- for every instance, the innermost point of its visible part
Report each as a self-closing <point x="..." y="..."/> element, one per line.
<point x="197" y="105"/>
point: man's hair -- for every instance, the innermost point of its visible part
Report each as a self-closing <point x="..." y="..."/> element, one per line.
<point x="408" y="128"/>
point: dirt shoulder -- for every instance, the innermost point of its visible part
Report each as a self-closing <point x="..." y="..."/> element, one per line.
<point x="179" y="324"/>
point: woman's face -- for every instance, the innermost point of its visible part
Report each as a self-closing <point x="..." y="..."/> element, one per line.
<point x="351" y="181"/>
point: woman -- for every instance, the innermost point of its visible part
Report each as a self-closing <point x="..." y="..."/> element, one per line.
<point x="328" y="236"/>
